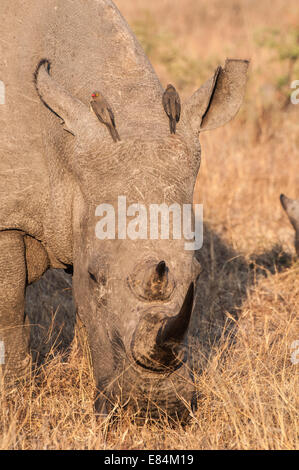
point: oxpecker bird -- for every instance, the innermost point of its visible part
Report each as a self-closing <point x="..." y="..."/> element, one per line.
<point x="104" y="113"/>
<point x="172" y="106"/>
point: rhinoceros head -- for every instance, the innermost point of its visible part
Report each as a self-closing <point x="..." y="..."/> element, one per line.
<point x="134" y="287"/>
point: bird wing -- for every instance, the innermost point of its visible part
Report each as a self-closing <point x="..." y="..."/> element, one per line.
<point x="166" y="103"/>
<point x="111" y="116"/>
<point x="94" y="107"/>
<point x="177" y="108"/>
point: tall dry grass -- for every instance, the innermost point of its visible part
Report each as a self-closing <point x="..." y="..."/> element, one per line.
<point x="248" y="294"/>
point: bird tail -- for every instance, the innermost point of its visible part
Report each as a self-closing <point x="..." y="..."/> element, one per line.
<point x="114" y="133"/>
<point x="172" y="126"/>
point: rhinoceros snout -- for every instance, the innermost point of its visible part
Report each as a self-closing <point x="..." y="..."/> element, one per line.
<point x="158" y="341"/>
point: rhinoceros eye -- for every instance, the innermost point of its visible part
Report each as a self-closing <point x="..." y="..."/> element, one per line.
<point x="92" y="276"/>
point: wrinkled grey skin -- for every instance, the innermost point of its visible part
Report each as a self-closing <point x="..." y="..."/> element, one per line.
<point x="53" y="180"/>
<point x="291" y="206"/>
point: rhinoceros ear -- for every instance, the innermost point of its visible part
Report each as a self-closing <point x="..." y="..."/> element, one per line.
<point x="219" y="99"/>
<point x="75" y="114"/>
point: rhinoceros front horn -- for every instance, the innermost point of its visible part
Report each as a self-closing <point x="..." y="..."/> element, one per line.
<point x="174" y="328"/>
<point x="158" y="341"/>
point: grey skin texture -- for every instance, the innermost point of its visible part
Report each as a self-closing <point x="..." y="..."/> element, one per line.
<point x="136" y="310"/>
<point x="291" y="206"/>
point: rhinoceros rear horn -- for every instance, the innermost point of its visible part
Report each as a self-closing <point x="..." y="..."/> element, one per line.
<point x="75" y="115"/>
<point x="161" y="269"/>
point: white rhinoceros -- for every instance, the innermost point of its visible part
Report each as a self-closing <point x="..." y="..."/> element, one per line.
<point x="134" y="295"/>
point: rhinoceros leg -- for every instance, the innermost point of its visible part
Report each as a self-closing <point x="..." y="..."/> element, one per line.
<point x="14" y="335"/>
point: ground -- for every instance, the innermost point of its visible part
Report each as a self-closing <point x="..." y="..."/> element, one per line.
<point x="248" y="296"/>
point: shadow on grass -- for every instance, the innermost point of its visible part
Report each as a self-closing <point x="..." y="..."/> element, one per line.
<point x="224" y="283"/>
<point x="223" y="286"/>
<point x="51" y="314"/>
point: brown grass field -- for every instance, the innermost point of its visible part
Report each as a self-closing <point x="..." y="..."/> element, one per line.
<point x="248" y="293"/>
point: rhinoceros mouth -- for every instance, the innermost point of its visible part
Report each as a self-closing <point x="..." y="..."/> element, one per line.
<point x="158" y="343"/>
<point x="148" y="395"/>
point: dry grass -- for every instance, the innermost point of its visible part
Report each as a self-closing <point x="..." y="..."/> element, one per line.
<point x="248" y="392"/>
<point x="250" y="282"/>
